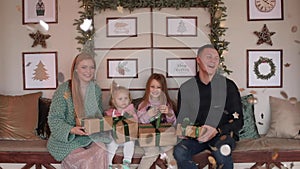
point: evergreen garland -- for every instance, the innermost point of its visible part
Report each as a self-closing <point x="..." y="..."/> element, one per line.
<point x="216" y="9"/>
<point x="272" y="68"/>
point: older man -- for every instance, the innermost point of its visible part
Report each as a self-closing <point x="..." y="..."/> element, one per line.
<point x="211" y="101"/>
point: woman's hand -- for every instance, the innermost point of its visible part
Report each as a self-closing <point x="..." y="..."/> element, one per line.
<point x="78" y="131"/>
<point x="207" y="133"/>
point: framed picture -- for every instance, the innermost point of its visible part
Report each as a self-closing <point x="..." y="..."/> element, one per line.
<point x="122" y="68"/>
<point x="36" y="10"/>
<point x="264" y="68"/>
<point x="181" y="67"/>
<point x="121" y="27"/>
<point x="182" y="26"/>
<point x="39" y="70"/>
<point x="265" y="10"/>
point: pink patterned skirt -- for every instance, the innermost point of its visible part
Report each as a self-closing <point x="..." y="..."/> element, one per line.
<point x="93" y="157"/>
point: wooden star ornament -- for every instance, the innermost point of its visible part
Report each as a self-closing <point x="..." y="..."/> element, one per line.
<point x="39" y="39"/>
<point x="264" y="36"/>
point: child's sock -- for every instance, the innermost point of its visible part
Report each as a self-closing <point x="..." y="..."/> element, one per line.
<point x="126" y="164"/>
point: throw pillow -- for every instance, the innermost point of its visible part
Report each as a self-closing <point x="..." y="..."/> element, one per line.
<point x="19" y="116"/>
<point x="249" y="129"/>
<point x="285" y="119"/>
<point x="43" y="129"/>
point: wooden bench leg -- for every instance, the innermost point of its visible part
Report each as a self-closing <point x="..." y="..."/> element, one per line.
<point x="28" y="166"/>
<point x="48" y="166"/>
<point x="256" y="165"/>
<point x="278" y="164"/>
<point x="38" y="166"/>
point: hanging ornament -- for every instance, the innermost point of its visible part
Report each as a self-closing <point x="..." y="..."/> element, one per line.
<point x="39" y="39"/>
<point x="120" y="8"/>
<point x="264" y="36"/>
<point x="218" y="14"/>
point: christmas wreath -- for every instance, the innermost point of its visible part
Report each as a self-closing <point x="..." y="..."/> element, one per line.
<point x="272" y="68"/>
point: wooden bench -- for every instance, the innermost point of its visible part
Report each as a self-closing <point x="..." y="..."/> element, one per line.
<point x="262" y="151"/>
<point x="30" y="152"/>
<point x="268" y="151"/>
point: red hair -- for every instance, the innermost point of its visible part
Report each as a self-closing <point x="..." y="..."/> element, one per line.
<point x="164" y="88"/>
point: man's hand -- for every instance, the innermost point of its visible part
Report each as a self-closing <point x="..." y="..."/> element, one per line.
<point x="207" y="133"/>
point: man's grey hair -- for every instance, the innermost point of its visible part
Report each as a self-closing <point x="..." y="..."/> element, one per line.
<point x="204" y="47"/>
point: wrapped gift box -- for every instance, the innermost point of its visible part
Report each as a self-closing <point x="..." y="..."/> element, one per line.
<point x="124" y="129"/>
<point x="165" y="135"/>
<point x="188" y="131"/>
<point x="94" y="125"/>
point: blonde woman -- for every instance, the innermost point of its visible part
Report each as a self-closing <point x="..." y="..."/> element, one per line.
<point x="77" y="98"/>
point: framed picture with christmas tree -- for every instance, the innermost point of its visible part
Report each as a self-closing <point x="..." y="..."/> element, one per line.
<point x="36" y="10"/>
<point x="264" y="68"/>
<point x="39" y="70"/>
<point x="181" y="26"/>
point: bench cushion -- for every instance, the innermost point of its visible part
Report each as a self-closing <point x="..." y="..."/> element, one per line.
<point x="266" y="143"/>
<point x="23" y="145"/>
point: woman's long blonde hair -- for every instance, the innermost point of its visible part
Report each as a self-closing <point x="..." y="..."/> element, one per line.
<point x="78" y="100"/>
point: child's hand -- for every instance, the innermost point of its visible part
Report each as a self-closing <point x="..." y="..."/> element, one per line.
<point x="164" y="109"/>
<point x="131" y="112"/>
<point x="152" y="112"/>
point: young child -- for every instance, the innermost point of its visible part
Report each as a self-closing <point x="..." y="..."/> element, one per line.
<point x="156" y="100"/>
<point x="120" y="103"/>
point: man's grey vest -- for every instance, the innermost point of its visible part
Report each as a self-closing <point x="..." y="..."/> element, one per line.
<point x="190" y="101"/>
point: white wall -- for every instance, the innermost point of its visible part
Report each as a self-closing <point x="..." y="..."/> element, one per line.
<point x="241" y="37"/>
<point x="15" y="40"/>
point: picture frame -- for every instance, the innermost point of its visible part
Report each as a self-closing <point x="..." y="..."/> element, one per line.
<point x="121" y="27"/>
<point x="264" y="68"/>
<point x="181" y="26"/>
<point x="181" y="67"/>
<point x="122" y="68"/>
<point x="264" y="10"/>
<point x="39" y="70"/>
<point x="36" y="10"/>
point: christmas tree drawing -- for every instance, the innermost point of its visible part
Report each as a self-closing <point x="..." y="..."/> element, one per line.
<point x="181" y="27"/>
<point x="40" y="73"/>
